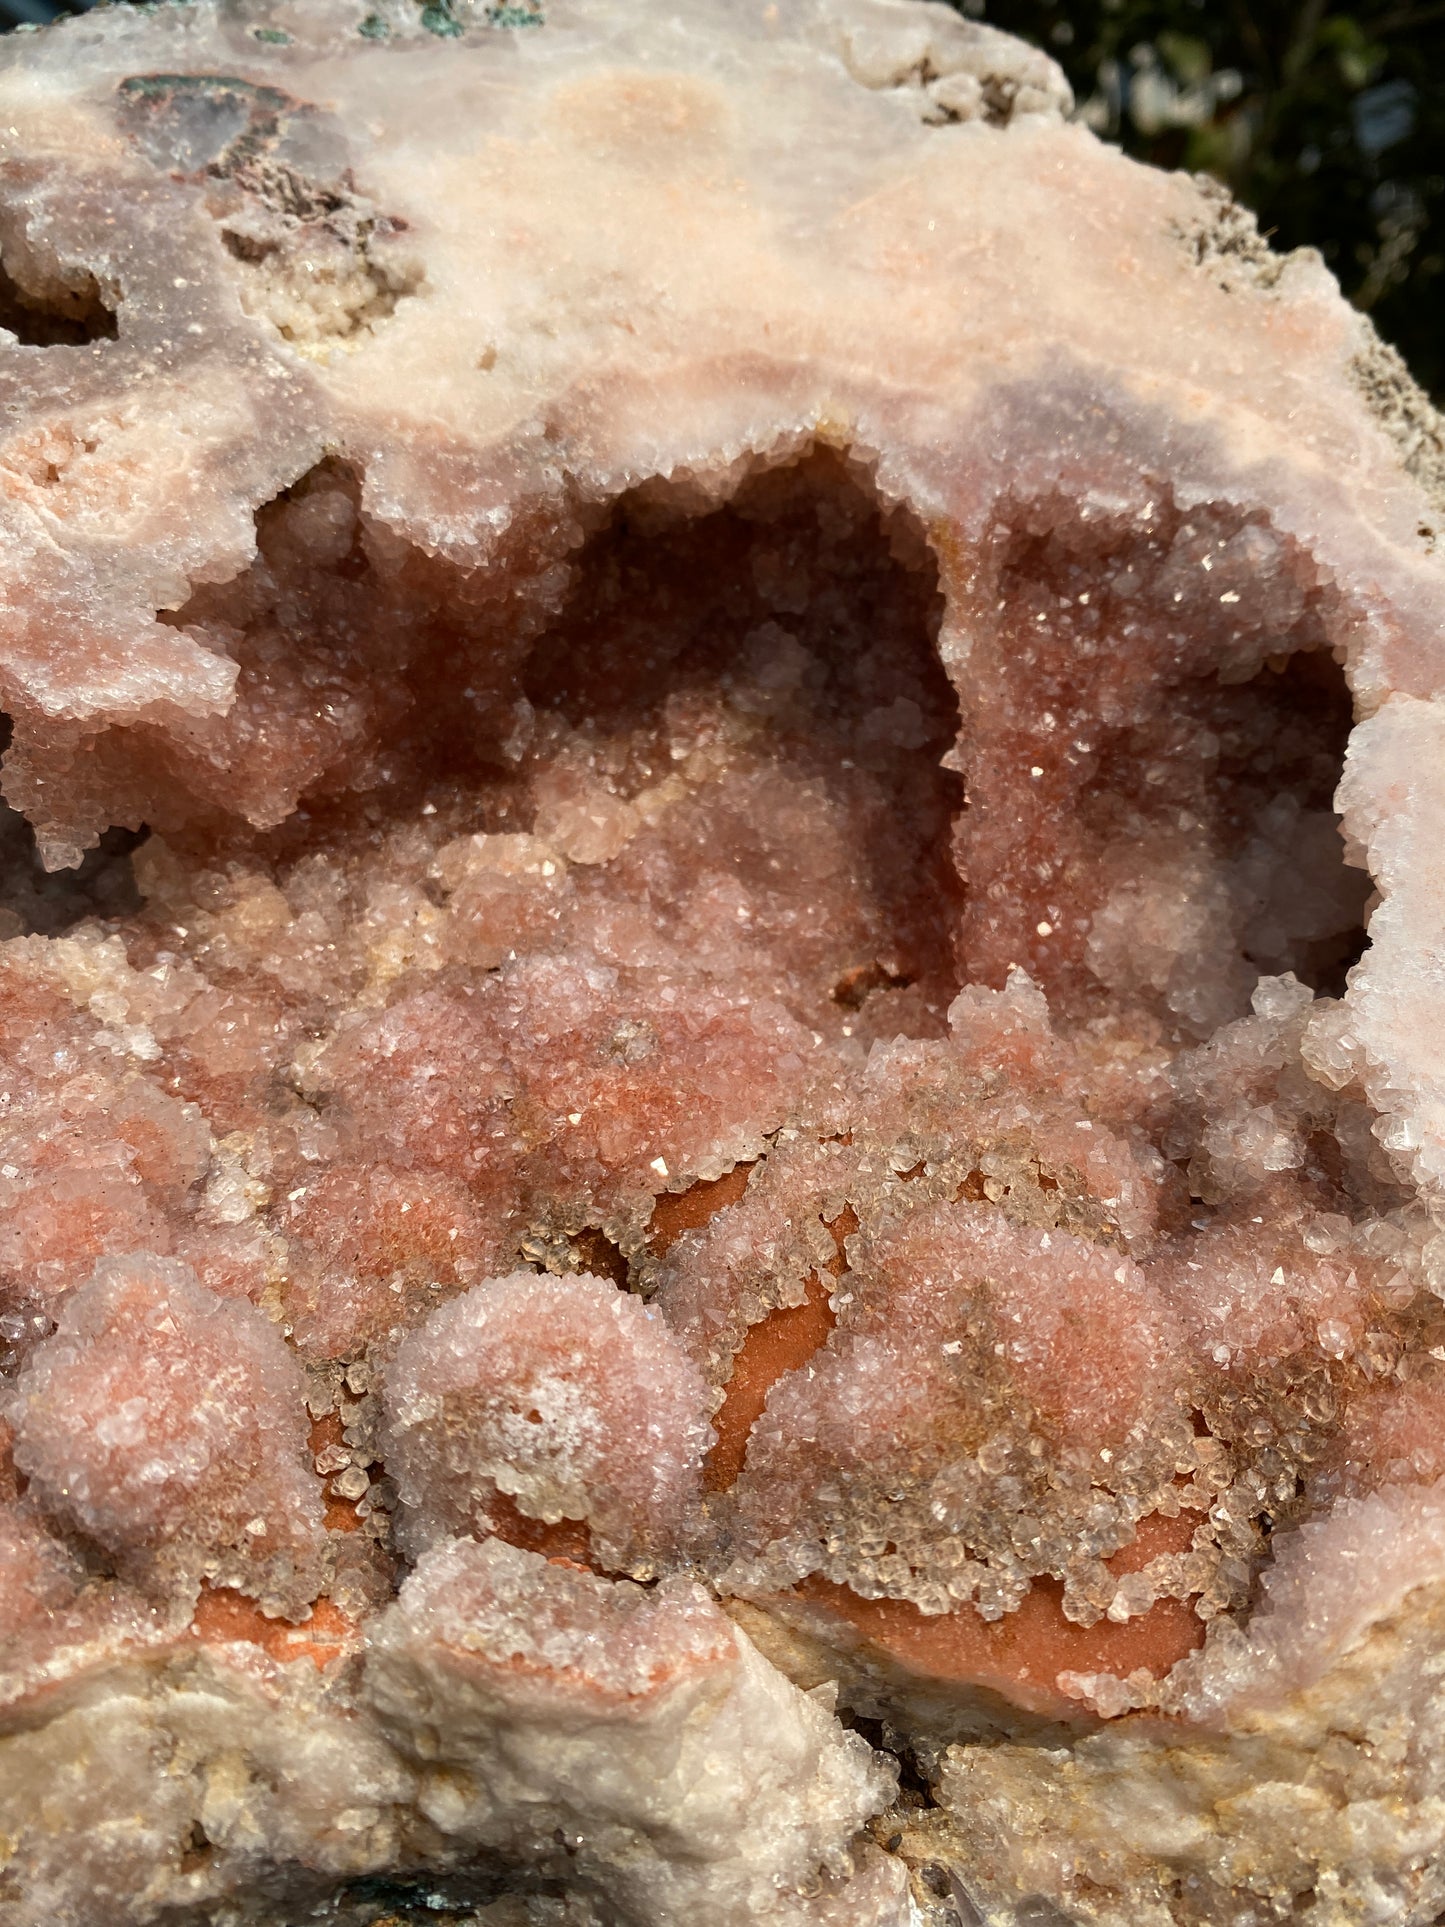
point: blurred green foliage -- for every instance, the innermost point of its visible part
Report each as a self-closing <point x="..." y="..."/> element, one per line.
<point x="1329" y="122"/>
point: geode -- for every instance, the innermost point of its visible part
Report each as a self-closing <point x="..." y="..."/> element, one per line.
<point x="711" y="1210"/>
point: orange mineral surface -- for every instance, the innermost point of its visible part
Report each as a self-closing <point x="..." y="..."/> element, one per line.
<point x="1024" y="1656"/>
<point x="722" y="1128"/>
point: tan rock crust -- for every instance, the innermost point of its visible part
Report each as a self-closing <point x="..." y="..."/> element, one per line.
<point x="719" y="1187"/>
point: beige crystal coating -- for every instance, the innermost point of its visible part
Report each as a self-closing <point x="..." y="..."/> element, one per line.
<point x="592" y="1413"/>
<point x="719" y="1189"/>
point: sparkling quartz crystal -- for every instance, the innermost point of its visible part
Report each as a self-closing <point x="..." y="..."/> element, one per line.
<point x="722" y="1138"/>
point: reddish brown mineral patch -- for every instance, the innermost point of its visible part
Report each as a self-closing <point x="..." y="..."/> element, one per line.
<point x="567" y="1540"/>
<point x="223" y="1616"/>
<point x="326" y="1441"/>
<point x="781" y="1342"/>
<point x="1021" y="1656"/>
<point x="679" y="1211"/>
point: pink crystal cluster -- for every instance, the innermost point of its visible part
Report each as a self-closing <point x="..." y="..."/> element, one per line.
<point x="730" y="1071"/>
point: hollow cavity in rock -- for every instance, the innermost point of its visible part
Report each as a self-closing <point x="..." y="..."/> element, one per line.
<point x="710" y="874"/>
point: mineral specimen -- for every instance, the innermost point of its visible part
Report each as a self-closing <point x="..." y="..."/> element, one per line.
<point x="710" y="1210"/>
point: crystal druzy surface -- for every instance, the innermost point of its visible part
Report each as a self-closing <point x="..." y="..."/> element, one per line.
<point x="722" y="1073"/>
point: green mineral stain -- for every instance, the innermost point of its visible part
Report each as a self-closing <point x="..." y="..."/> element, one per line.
<point x="373" y="27"/>
<point x="164" y="87"/>
<point x="438" y="19"/>
<point x="273" y="36"/>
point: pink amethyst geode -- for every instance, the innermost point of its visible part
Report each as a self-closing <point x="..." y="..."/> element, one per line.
<point x="711" y="1211"/>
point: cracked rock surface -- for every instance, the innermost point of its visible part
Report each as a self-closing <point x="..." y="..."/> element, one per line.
<point x="722" y="1071"/>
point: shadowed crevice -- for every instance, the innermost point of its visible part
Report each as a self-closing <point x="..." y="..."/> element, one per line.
<point x="56" y="316"/>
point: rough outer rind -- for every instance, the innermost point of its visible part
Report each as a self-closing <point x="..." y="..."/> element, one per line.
<point x="1278" y="1798"/>
<point x="644" y="1730"/>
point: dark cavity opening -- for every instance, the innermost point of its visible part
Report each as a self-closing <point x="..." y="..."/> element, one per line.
<point x="1156" y="733"/>
<point x="777" y="657"/>
<point x="61" y="314"/>
<point x="35" y="901"/>
<point x="1279" y="781"/>
<point x="1261" y="851"/>
<point x="733" y="729"/>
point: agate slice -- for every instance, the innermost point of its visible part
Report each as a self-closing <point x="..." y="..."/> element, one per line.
<point x="722" y="1011"/>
